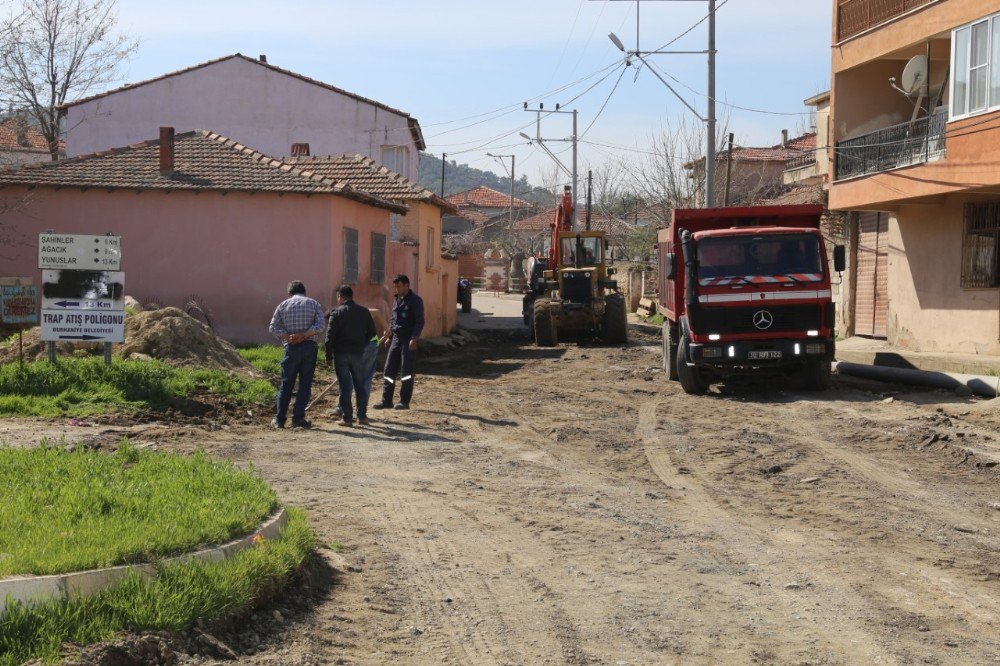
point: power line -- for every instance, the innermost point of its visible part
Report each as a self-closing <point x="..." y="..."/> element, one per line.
<point x="686" y="32"/>
<point x="606" y="100"/>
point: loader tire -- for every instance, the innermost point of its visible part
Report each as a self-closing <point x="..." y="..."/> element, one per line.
<point x="670" y="350"/>
<point x="545" y="325"/>
<point x="615" y="324"/>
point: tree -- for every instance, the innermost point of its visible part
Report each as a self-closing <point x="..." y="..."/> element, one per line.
<point x="56" y="49"/>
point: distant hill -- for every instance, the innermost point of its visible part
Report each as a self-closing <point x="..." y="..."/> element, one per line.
<point x="460" y="177"/>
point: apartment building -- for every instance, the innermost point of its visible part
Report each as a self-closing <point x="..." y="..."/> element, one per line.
<point x="915" y="129"/>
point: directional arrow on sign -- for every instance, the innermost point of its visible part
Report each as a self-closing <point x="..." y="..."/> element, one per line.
<point x="80" y="337"/>
<point x="68" y="304"/>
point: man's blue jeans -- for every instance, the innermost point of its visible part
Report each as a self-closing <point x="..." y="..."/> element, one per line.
<point x="351" y="375"/>
<point x="299" y="361"/>
<point x="368" y="362"/>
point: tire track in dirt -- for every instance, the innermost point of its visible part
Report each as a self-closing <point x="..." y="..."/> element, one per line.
<point x="745" y="545"/>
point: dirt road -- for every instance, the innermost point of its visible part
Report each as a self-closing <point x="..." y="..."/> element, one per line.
<point x="573" y="506"/>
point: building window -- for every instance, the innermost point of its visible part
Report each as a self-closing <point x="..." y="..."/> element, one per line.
<point x="378" y="258"/>
<point x="350" y="255"/>
<point x="429" y="253"/>
<point x="975" y="60"/>
<point x="981" y="245"/>
<point x="397" y="158"/>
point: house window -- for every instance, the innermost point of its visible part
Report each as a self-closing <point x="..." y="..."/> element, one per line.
<point x="397" y="158"/>
<point x="981" y="245"/>
<point x="350" y="255"/>
<point x="429" y="253"/>
<point x="378" y="258"/>
<point x="975" y="60"/>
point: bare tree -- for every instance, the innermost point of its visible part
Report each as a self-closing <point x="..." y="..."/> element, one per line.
<point x="54" y="49"/>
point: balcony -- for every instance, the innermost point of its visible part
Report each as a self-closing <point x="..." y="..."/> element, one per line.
<point x="856" y="16"/>
<point x="901" y="145"/>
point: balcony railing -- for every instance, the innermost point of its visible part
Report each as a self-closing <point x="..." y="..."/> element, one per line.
<point x="799" y="161"/>
<point x="856" y="16"/>
<point x="893" y="147"/>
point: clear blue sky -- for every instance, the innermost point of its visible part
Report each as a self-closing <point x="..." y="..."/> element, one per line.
<point x="444" y="60"/>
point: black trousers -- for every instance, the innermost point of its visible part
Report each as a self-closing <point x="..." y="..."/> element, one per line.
<point x="400" y="360"/>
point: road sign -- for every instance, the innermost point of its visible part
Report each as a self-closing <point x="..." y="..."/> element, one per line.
<point x="83" y="290"/>
<point x="83" y="326"/>
<point x="79" y="252"/>
<point x="19" y="304"/>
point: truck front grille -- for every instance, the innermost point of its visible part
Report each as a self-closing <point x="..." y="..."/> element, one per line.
<point x="576" y="288"/>
<point x="786" y="318"/>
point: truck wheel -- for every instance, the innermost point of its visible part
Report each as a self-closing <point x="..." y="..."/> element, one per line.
<point x="670" y="350"/>
<point x="816" y="375"/>
<point x="545" y="325"/>
<point x="615" y="323"/>
<point x="693" y="379"/>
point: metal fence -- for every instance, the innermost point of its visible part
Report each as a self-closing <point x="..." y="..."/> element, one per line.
<point x="856" y="16"/>
<point x="799" y="161"/>
<point x="900" y="145"/>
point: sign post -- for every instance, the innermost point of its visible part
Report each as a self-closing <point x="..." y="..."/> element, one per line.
<point x="83" y="290"/>
<point x="19" y="306"/>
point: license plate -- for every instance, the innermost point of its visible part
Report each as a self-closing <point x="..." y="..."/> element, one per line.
<point x="763" y="355"/>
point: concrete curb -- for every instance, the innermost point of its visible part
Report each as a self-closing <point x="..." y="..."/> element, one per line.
<point x="76" y="585"/>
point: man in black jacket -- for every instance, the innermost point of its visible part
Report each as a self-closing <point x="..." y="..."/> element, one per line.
<point x="350" y="328"/>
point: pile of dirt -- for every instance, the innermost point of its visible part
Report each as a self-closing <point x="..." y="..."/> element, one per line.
<point x="167" y="334"/>
<point x="171" y="335"/>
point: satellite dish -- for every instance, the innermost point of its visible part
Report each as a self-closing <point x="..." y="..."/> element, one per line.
<point x="914" y="76"/>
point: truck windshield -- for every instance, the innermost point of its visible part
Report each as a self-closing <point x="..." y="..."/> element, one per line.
<point x="797" y="257"/>
<point x="590" y="249"/>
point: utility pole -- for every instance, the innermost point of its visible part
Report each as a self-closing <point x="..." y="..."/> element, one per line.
<point x="590" y="188"/>
<point x="710" y="122"/>
<point x="444" y="157"/>
<point x="729" y="169"/>
<point x="709" y="118"/>
<point x="500" y="157"/>
<point x="572" y="173"/>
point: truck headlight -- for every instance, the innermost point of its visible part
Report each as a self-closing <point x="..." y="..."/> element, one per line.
<point x="816" y="348"/>
<point x="711" y="352"/>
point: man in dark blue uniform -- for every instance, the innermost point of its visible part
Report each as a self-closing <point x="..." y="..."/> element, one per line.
<point x="405" y="327"/>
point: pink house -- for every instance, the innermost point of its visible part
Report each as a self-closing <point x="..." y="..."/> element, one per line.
<point x="277" y="111"/>
<point x="204" y="216"/>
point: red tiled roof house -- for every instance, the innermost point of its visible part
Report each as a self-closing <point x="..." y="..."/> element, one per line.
<point x="202" y="215"/>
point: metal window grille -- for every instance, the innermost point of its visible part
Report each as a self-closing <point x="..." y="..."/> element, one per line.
<point x="981" y="245"/>
<point x="378" y="258"/>
<point x="350" y="255"/>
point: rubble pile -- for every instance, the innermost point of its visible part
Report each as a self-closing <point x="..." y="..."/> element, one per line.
<point x="170" y="335"/>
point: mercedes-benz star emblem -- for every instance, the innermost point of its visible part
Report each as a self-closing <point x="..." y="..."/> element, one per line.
<point x="763" y="319"/>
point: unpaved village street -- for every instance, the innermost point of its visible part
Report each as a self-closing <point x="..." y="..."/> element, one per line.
<point x="570" y="505"/>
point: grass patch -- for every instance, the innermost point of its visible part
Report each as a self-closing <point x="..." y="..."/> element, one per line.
<point x="85" y="386"/>
<point x="174" y="601"/>
<point x="656" y="319"/>
<point x="63" y="511"/>
<point x="266" y="358"/>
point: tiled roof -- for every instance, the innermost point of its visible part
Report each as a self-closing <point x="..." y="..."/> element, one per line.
<point x="366" y="174"/>
<point x="486" y="197"/>
<point x="474" y="215"/>
<point x="202" y="161"/>
<point x="16" y="134"/>
<point x="414" y="125"/>
<point x="804" y="194"/>
<point x="598" y="222"/>
<point x="777" y="153"/>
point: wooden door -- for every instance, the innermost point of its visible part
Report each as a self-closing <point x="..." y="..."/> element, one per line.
<point x="872" y="304"/>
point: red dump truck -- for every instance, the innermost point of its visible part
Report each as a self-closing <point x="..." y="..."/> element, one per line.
<point x="746" y="290"/>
